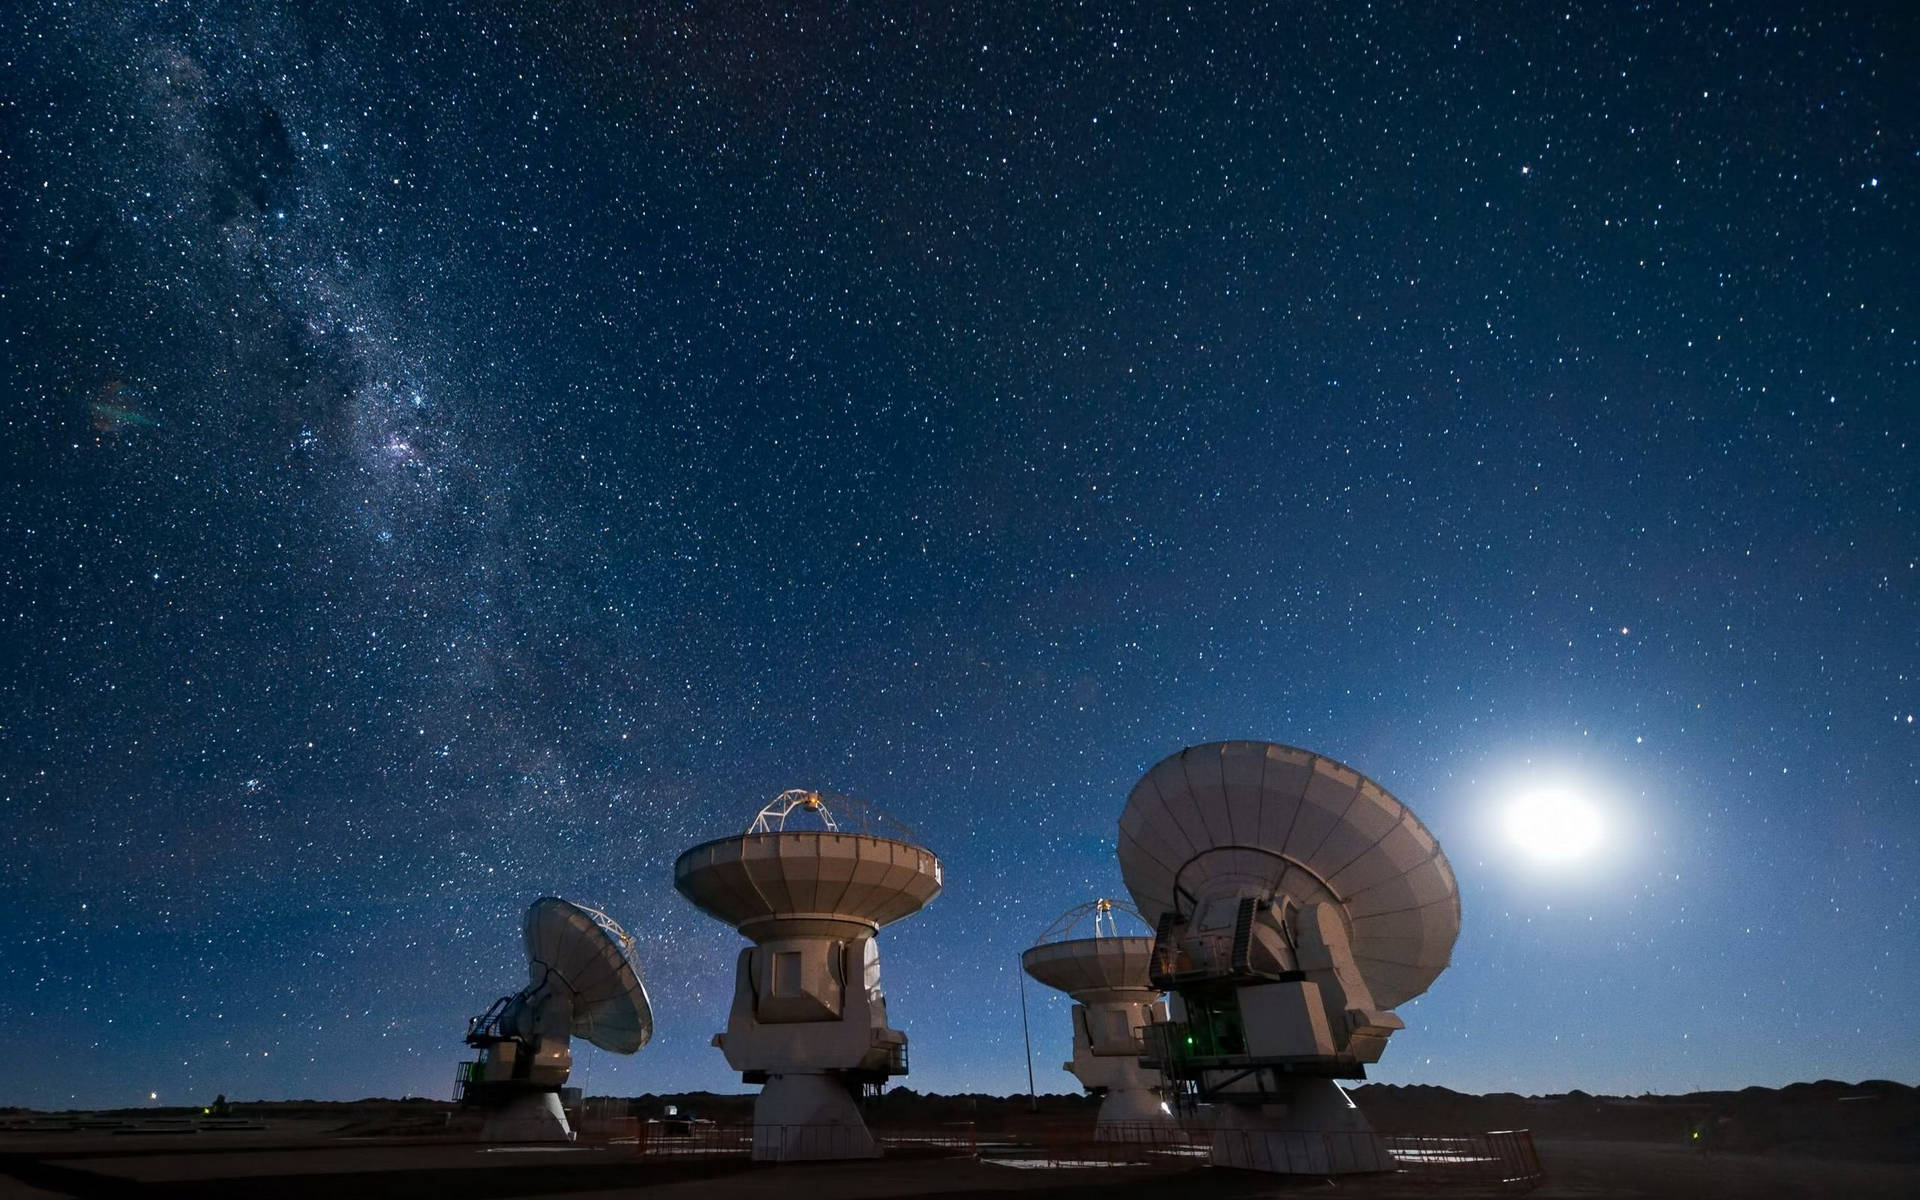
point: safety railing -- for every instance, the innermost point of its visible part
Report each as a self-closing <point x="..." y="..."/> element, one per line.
<point x="464" y="1073"/>
<point x="896" y="1050"/>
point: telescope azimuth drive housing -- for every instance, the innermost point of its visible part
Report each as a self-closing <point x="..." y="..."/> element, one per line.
<point x="1295" y="902"/>
<point x="809" y="1020"/>
<point x="582" y="982"/>
<point x="1084" y="955"/>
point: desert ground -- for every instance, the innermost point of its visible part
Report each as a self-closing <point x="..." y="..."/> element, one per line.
<point x="1813" y="1140"/>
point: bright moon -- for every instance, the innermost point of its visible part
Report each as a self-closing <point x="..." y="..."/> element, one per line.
<point x="1553" y="826"/>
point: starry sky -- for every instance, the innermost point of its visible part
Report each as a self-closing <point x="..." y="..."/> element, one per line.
<point x="455" y="454"/>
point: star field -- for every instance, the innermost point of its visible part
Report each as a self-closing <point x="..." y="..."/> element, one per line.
<point x="455" y="455"/>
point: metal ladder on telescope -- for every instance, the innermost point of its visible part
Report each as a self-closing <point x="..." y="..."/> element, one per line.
<point x="1243" y="936"/>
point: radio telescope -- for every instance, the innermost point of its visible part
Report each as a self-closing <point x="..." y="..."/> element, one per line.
<point x="1106" y="974"/>
<point x="809" y="1020"/>
<point x="582" y="982"/>
<point x="1295" y="903"/>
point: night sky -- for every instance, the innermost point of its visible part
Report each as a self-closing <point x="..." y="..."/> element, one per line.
<point x="458" y="455"/>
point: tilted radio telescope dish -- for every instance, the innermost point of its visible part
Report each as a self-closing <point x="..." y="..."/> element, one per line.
<point x="582" y="982"/>
<point x="1085" y="955"/>
<point x="808" y="1018"/>
<point x="1294" y="901"/>
<point x="586" y="951"/>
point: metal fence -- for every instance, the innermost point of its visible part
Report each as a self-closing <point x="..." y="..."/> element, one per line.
<point x="957" y="1140"/>
<point x="1504" y="1158"/>
<point x="1301" y="1152"/>
<point x="792" y="1143"/>
<point x="1500" y="1159"/>
<point x="1113" y="1144"/>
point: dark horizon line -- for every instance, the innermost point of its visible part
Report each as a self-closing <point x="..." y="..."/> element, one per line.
<point x="1078" y="1097"/>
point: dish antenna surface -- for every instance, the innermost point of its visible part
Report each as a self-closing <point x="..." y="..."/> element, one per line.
<point x="582" y="982"/>
<point x="809" y="1020"/>
<point x="1084" y="955"/>
<point x="1294" y="903"/>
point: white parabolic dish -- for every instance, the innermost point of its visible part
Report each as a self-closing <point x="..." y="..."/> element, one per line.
<point x="580" y="951"/>
<point x="1266" y="820"/>
<point x="1092" y="964"/>
<point x="766" y="883"/>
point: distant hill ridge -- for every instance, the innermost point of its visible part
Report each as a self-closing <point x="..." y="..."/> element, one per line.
<point x="1876" y="1119"/>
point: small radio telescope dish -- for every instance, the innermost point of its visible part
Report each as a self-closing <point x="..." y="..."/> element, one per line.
<point x="582" y="982"/>
<point x="1295" y="902"/>
<point x="1084" y="950"/>
<point x="1085" y="955"/>
<point x="587" y="952"/>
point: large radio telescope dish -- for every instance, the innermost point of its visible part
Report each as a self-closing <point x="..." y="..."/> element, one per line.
<point x="1257" y="819"/>
<point x="586" y="952"/>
